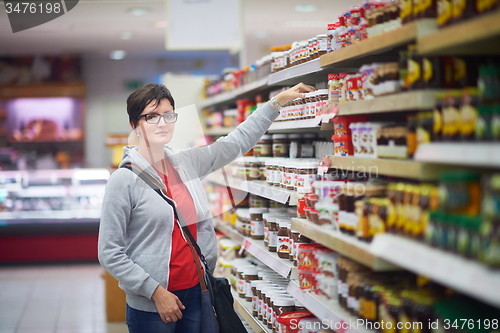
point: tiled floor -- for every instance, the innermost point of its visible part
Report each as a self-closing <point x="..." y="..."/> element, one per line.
<point x="54" y="299"/>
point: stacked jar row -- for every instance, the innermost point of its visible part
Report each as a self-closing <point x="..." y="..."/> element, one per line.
<point x="286" y="145"/>
<point x="266" y="290"/>
<point x="273" y="226"/>
<point x="304" y="108"/>
<point x="292" y="174"/>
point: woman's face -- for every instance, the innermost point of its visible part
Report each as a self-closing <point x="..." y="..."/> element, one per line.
<point x="154" y="128"/>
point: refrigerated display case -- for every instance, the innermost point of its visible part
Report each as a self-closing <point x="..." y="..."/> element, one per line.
<point x="50" y="215"/>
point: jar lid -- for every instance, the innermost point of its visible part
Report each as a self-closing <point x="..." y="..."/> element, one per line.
<point x="257" y="210"/>
<point x="284" y="224"/>
<point x="271" y="162"/>
<point x="282" y="301"/>
<point x="277" y="210"/>
<point x="266" y="137"/>
<point x="250" y="271"/>
<point x="249" y="159"/>
<point x="255" y="283"/>
<point x="280" y="136"/>
<point x="283" y="219"/>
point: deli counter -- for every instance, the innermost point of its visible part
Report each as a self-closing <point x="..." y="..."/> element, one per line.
<point x="50" y="215"/>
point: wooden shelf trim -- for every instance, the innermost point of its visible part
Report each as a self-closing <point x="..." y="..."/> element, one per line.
<point x="343" y="244"/>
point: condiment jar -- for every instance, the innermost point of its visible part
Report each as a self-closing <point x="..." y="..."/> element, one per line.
<point x="273" y="233"/>
<point x="241" y="283"/>
<point x="280" y="145"/>
<point x="298" y="239"/>
<point x="250" y="275"/>
<point x="271" y="167"/>
<point x="268" y="317"/>
<point x="322" y="44"/>
<point x="283" y="239"/>
<point x="306" y="173"/>
<point x="253" y="286"/>
<point x="256" y="222"/>
<point x="281" y="305"/>
<point x="295" y="141"/>
<point x="264" y="146"/>
<point x="252" y="168"/>
<point x="262" y="305"/>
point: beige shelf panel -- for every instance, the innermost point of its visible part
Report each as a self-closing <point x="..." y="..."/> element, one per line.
<point x="405" y="101"/>
<point x="355" y="53"/>
<point x="467" y="276"/>
<point x="479" y="35"/>
<point x="408" y="169"/>
<point x="346" y="245"/>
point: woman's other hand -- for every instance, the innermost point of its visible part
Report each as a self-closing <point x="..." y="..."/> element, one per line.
<point x="168" y="305"/>
<point x="297" y="91"/>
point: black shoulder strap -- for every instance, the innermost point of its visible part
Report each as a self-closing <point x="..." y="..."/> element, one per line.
<point x="152" y="183"/>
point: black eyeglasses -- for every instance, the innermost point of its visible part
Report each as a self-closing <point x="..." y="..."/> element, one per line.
<point x="154" y="118"/>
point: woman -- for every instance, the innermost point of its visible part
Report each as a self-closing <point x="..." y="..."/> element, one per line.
<point x="140" y="241"/>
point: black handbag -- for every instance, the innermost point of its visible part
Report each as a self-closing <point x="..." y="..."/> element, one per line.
<point x="218" y="288"/>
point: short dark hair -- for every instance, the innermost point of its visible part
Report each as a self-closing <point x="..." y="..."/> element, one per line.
<point x="142" y="97"/>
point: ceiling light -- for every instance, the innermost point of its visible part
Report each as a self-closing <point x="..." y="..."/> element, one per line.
<point x="139" y="11"/>
<point x="117" y="54"/>
<point x="261" y="34"/>
<point x="160" y="24"/>
<point x="126" y="35"/>
<point x="306" y="8"/>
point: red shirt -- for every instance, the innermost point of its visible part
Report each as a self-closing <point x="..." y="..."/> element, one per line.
<point x="183" y="273"/>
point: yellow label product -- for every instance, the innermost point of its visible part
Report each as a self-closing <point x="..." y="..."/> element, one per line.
<point x="445" y="12"/>
<point x="413" y="72"/>
<point x="458" y="8"/>
<point x="406" y="10"/>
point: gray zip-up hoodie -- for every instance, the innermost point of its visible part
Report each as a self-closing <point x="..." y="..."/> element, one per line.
<point x="136" y="223"/>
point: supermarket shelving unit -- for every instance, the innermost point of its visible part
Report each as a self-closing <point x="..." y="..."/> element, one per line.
<point x="480" y="35"/>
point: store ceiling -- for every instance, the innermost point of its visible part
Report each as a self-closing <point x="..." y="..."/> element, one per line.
<point x="96" y="27"/>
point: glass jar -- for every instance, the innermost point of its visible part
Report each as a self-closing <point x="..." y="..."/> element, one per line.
<point x="322" y="100"/>
<point x="264" y="147"/>
<point x="268" y="318"/>
<point x="295" y="141"/>
<point x="460" y="192"/>
<point x="250" y="275"/>
<point x="306" y="173"/>
<point x="290" y="174"/>
<point x="252" y="168"/>
<point x="281" y="305"/>
<point x="280" y="145"/>
<point x="298" y="239"/>
<point x="253" y="287"/>
<point x="271" y="167"/>
<point x="256" y="222"/>
<point x="273" y="233"/>
<point x="283" y="240"/>
<point x="322" y="44"/>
